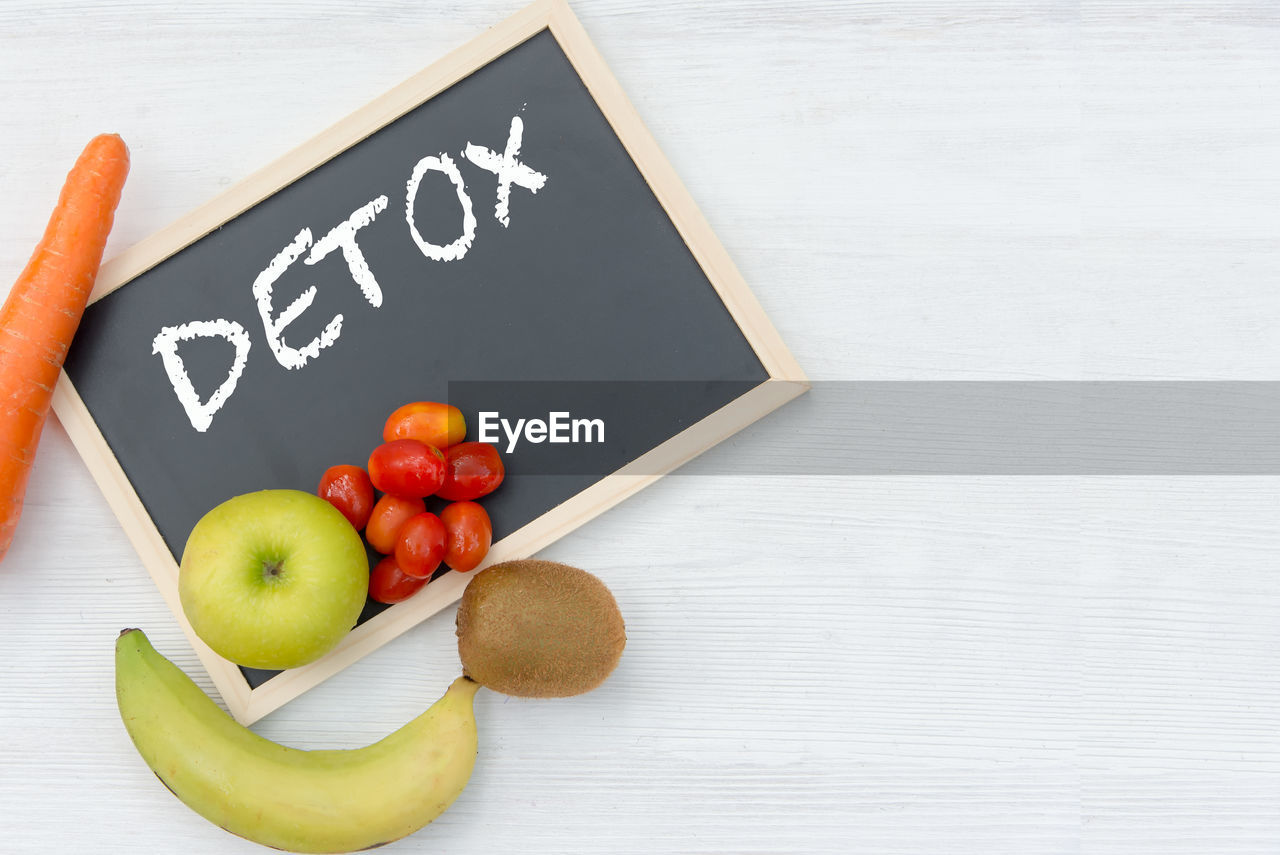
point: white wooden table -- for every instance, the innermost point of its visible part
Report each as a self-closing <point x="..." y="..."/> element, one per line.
<point x="819" y="663"/>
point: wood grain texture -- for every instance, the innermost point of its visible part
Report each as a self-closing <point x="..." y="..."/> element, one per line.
<point x="938" y="190"/>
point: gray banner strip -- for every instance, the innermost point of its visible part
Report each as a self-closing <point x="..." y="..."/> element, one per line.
<point x="1015" y="428"/>
<point x="917" y="427"/>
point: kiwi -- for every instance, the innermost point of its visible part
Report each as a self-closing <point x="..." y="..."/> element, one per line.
<point x="539" y="629"/>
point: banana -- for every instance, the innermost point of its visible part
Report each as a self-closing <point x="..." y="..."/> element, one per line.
<point x="303" y="801"/>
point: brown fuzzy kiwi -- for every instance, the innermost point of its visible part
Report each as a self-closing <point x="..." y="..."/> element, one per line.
<point x="539" y="629"/>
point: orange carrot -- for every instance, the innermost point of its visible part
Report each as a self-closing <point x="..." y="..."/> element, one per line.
<point x="43" y="309"/>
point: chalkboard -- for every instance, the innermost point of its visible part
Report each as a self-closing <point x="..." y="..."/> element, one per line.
<point x="504" y="236"/>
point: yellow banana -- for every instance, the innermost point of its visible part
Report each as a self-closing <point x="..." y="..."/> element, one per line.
<point x="303" y="801"/>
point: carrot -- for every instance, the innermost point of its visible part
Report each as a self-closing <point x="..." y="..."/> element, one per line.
<point x="43" y="309"/>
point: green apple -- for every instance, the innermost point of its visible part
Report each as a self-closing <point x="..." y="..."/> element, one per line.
<point x="273" y="579"/>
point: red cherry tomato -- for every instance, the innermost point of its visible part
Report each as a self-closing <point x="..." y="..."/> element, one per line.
<point x="420" y="546"/>
<point x="441" y="425"/>
<point x="389" y="515"/>
<point x="407" y="468"/>
<point x="472" y="470"/>
<point x="468" y="535"/>
<point x="348" y="489"/>
<point x="389" y="584"/>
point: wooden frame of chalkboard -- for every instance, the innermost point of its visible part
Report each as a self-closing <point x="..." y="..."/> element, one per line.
<point x="785" y="380"/>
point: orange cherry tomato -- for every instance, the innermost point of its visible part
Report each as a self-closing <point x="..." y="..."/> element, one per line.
<point x="348" y="489"/>
<point x="472" y="470"/>
<point x="441" y="425"/>
<point x="389" y="514"/>
<point x="468" y="535"/>
<point x="420" y="547"/>
<point x="389" y="584"/>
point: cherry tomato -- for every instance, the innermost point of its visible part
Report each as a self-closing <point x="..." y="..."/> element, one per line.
<point x="441" y="425"/>
<point x="390" y="513"/>
<point x="348" y="489"/>
<point x="420" y="546"/>
<point x="389" y="584"/>
<point x="468" y="535"/>
<point x="472" y="470"/>
<point x="407" y="468"/>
